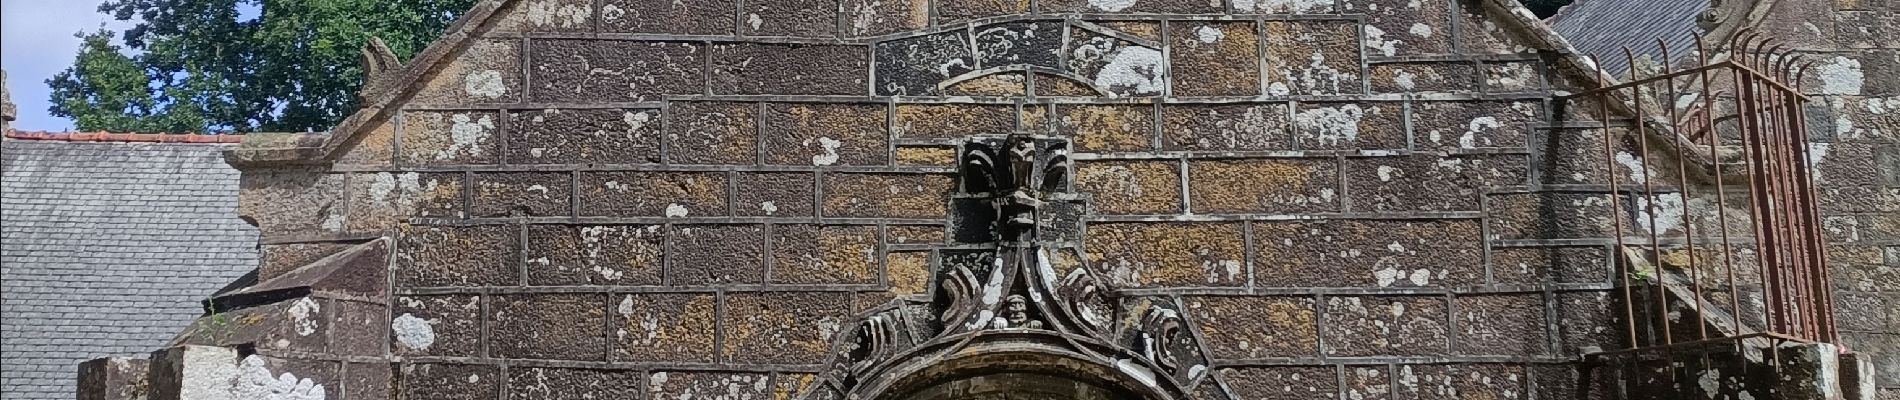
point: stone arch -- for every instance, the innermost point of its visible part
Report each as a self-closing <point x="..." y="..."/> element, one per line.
<point x="1024" y="362"/>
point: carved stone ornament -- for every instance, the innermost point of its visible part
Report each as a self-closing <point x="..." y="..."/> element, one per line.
<point x="1002" y="303"/>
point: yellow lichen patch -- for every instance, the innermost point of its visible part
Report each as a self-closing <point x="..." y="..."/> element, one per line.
<point x="909" y="273"/>
<point x="886" y="195"/>
<point x="1256" y="327"/>
<point x="944" y="121"/>
<point x="926" y="156"/>
<point x="373" y="148"/>
<point x="915" y="234"/>
<point x="1003" y="84"/>
<point x="1262" y="186"/>
<point x="1109" y="128"/>
<point x="1140" y="29"/>
<point x="1064" y="261"/>
<point x="789" y="386"/>
<point x="1035" y="118"/>
<point x="1131" y="187"/>
<point x="666" y="327"/>
<point x="1169" y="254"/>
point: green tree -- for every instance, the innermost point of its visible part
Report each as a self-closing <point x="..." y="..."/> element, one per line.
<point x="198" y="65"/>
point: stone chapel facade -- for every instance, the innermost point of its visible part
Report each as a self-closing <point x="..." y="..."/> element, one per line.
<point x="1161" y="199"/>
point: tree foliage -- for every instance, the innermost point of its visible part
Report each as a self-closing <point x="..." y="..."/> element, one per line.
<point x="198" y="65"/>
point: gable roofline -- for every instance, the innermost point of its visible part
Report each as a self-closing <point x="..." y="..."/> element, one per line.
<point x="193" y="138"/>
<point x="322" y="148"/>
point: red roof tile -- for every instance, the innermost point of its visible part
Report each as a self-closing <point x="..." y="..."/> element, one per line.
<point x="124" y="137"/>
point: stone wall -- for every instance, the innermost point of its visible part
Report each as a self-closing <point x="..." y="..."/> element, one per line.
<point x="1362" y="198"/>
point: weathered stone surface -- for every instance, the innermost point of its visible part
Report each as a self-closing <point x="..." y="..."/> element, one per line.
<point x="707" y="17"/>
<point x="277" y="259"/>
<point x="794" y="18"/>
<point x="562" y="16"/>
<point x="566" y="383"/>
<point x="615" y="70"/>
<point x="1507" y="77"/>
<point x="1589" y="319"/>
<point x="539" y="194"/>
<point x="113" y="378"/>
<point x="606" y="136"/>
<point x="716" y="254"/>
<point x="1020" y="44"/>
<point x="358" y="328"/>
<point x="878" y="17"/>
<point x="1550" y="215"/>
<point x="1478" y="33"/>
<point x="1384" y="326"/>
<point x="652" y="194"/>
<point x="1048" y="85"/>
<point x="1214" y="127"/>
<point x="1283" y="7"/>
<point x="1863" y="312"/>
<point x="1131" y="187"/>
<point x="949" y="11"/>
<point x="952" y="121"/>
<point x="1512" y="325"/>
<point x="549" y="326"/>
<point x="1281" y="382"/>
<point x="1214" y="58"/>
<point x="445" y="325"/>
<point x="1463" y="381"/>
<point x="488" y="72"/>
<point x="1446" y="77"/>
<point x="822" y="134"/>
<point x="1239" y="328"/>
<point x="1263" y="186"/>
<point x="483" y="255"/>
<point x="1368" y="253"/>
<point x="1313" y="57"/>
<point x="997" y="84"/>
<point x="707" y="385"/>
<point x="560" y="255"/>
<point x="1169" y="254"/>
<point x="1867" y="29"/>
<point x="915" y="66"/>
<point x="1348" y="126"/>
<point x="907" y="273"/>
<point x="773" y="194"/>
<point x="1107" y="128"/>
<point x="368" y="381"/>
<point x="664" y="327"/>
<point x="1441" y="125"/>
<point x="1535" y="265"/>
<point x="712" y="133"/>
<point x="927" y="156"/>
<point x="783" y="327"/>
<point x="375" y="147"/>
<point x="1368" y="383"/>
<point x="915" y="234"/>
<point x="1115" y="66"/>
<point x="450" y="382"/>
<point x="1135" y="6"/>
<point x="813" y="254"/>
<point x="1430" y="183"/>
<point x="292" y="201"/>
<point x="789" y="69"/>
<point x="886" y="195"/>
<point x="380" y="200"/>
<point x="1417" y="27"/>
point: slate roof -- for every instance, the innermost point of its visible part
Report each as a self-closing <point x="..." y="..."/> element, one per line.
<point x="1603" y="27"/>
<point x="106" y="248"/>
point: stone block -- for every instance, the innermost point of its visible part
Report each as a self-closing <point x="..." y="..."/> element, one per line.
<point x="1169" y="254"/>
<point x="789" y="69"/>
<point x="1867" y="277"/>
<point x="1863" y="227"/>
<point x="1449" y="125"/>
<point x="1321" y="382"/>
<point x="375" y="147"/>
<point x="595" y="71"/>
<point x="1242" y="328"/>
<point x="449" y="137"/>
<point x="877" y="17"/>
<point x="1348" y="126"/>
<point x="1429" y="182"/>
<point x="766" y="194"/>
<point x="552" y="16"/>
<point x="441" y="325"/>
<point x="915" y="234"/>
<point x="1368" y="253"/>
<point x="368" y="381"/>
<point x="1313" y="57"/>
<point x="1424" y="77"/>
<point x="569" y="383"/>
<point x="665" y="327"/>
<point x="887" y="195"/>
<point x="379" y="201"/>
<point x="793" y="18"/>
<point x="1575" y="156"/>
<point x="1463" y="381"/>
<point x="820" y="134"/>
<point x="1283" y="7"/>
<point x="484" y="255"/>
<point x="1857" y="164"/>
<point x="1214" y="58"/>
<point x="1589" y="319"/>
<point x="712" y="133"/>
<point x="1263" y="186"/>
<point x="1020" y="44"/>
<point x="359" y="328"/>
<point x="1214" y="127"/>
<point x="834" y="254"/>
<point x="549" y="326"/>
<point x="1107" y="128"/>
<point x="277" y="259"/>
<point x="707" y="385"/>
<point x="953" y="121"/>
<point x="653" y="194"/>
<point x="301" y="324"/>
<point x="783" y="327"/>
<point x="431" y="381"/>
<point x="1513" y="77"/>
<point x="1538" y="265"/>
<point x="1384" y="326"/>
<point x="517" y="194"/>
<point x="1048" y="85"/>
<point x="1867" y="29"/>
<point x="1368" y="382"/>
<point x="1115" y="66"/>
<point x="716" y="254"/>
<point x="908" y="273"/>
<point x="563" y="255"/>
<point x="927" y="156"/>
<point x="950" y="11"/>
<point x="915" y="66"/>
<point x="1417" y="28"/>
<point x="113" y="378"/>
<point x="1135" y="6"/>
<point x="1479" y="33"/>
<point x="1510" y="325"/>
<point x="706" y="17"/>
<point x="1001" y="84"/>
<point x="605" y="136"/>
<point x="487" y="72"/>
<point x="1864" y="312"/>
<point x="292" y="201"/>
<point x="1131" y="187"/>
<point x="1550" y="215"/>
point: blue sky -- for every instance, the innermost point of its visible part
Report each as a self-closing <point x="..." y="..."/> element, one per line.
<point x="36" y="42"/>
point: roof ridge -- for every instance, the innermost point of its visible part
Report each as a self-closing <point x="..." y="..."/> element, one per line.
<point x="194" y="138"/>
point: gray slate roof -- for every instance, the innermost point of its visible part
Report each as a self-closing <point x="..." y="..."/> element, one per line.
<point x="107" y="249"/>
<point x="1603" y="27"/>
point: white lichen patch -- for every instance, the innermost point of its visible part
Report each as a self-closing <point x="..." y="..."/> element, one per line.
<point x="1421" y="30"/>
<point x="1387" y="172"/>
<point x="1332" y="126"/>
<point x="304" y="316"/>
<point x="255" y="382"/>
<point x="1405" y="79"/>
<point x="1376" y="41"/>
<point x="1138" y="69"/>
<point x="1209" y="34"/>
<point x="1478" y="126"/>
<point x="676" y="210"/>
<point x="413" y="333"/>
<point x="485" y="84"/>
<point x="1111" y="5"/>
<point x="1660" y="214"/>
<point x="466" y="136"/>
<point x="548" y="14"/>
<point x="1841" y="76"/>
<point x="1284" y="6"/>
<point x="828" y="151"/>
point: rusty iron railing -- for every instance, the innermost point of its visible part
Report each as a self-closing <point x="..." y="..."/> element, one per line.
<point x="1739" y="121"/>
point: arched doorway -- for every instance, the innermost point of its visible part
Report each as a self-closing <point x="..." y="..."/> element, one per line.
<point x="1017" y="370"/>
